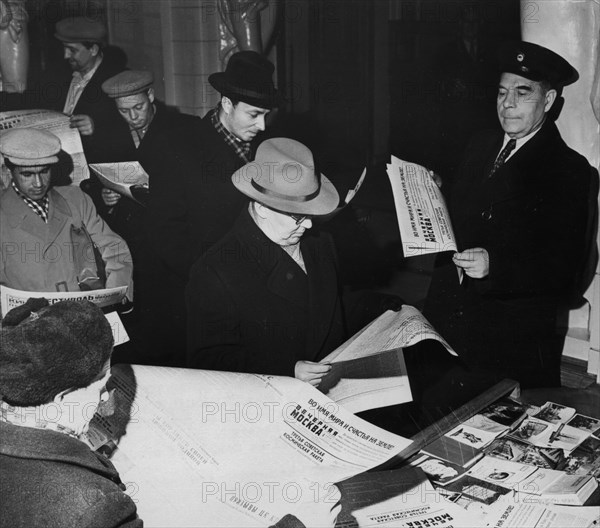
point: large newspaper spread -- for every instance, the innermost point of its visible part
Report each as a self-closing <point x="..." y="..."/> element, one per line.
<point x="368" y="370"/>
<point x="121" y="176"/>
<point x="423" y="217"/>
<point x="56" y="123"/>
<point x="220" y="449"/>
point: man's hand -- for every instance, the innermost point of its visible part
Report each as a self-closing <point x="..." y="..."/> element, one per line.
<point x="319" y="506"/>
<point x="83" y="123"/>
<point x="475" y="262"/>
<point x="311" y="372"/>
<point x="436" y="178"/>
<point x="110" y="197"/>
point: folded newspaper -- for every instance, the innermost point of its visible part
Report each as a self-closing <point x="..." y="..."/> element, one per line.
<point x="122" y="177"/>
<point x="423" y="218"/>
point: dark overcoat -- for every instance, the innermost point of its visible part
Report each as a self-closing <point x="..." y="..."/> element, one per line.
<point x="251" y="308"/>
<point x="52" y="480"/>
<point x="532" y="216"/>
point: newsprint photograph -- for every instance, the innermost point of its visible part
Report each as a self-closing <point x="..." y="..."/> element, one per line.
<point x="299" y="263"/>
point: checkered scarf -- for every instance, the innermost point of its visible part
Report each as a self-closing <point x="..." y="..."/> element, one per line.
<point x="31" y="417"/>
<point x="241" y="148"/>
<point x="40" y="207"/>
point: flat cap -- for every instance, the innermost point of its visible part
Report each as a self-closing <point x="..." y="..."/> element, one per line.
<point x="29" y="147"/>
<point x="536" y="63"/>
<point x="80" y="29"/>
<point x="129" y="82"/>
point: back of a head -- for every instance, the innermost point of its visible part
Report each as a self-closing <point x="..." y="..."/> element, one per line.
<point x="46" y="349"/>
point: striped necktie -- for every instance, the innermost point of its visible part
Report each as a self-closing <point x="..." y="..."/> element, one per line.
<point x="510" y="146"/>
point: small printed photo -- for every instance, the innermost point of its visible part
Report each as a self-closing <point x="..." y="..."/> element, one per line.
<point x="555" y="413"/>
<point x="439" y="471"/>
<point x="518" y="451"/>
<point x="586" y="423"/>
<point x="472" y="437"/>
<point x="478" y="490"/>
<point x="505" y="411"/>
<point x="529" y="429"/>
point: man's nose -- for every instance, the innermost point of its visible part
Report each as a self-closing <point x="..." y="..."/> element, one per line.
<point x="306" y="223"/>
<point x="38" y="181"/>
<point x="510" y="99"/>
<point x="133" y="115"/>
<point x="260" y="122"/>
<point x="67" y="53"/>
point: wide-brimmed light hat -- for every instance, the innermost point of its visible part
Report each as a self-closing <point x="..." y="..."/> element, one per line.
<point x="283" y="177"/>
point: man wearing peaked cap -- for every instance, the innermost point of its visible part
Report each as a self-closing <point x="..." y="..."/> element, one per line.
<point x="153" y="127"/>
<point x="264" y="299"/>
<point x="523" y="207"/>
<point x="48" y="233"/>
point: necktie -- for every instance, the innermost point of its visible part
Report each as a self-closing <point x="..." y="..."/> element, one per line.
<point x="510" y="146"/>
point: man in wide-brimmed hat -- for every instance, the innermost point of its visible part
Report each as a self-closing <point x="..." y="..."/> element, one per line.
<point x="192" y="202"/>
<point x="265" y="298"/>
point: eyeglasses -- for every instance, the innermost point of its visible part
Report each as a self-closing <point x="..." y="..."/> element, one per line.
<point x="298" y="218"/>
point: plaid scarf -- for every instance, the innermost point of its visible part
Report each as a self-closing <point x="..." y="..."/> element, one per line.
<point x="31" y="417"/>
<point x="40" y="207"/>
<point x="241" y="148"/>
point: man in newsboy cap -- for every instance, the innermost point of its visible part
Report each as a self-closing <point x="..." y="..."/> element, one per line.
<point x="522" y="209"/>
<point x="92" y="112"/>
<point x="48" y="232"/>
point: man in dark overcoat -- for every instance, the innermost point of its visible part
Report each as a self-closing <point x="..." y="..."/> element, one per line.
<point x="265" y="299"/>
<point x="521" y="208"/>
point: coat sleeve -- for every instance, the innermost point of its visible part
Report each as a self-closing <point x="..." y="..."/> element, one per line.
<point x="214" y="338"/>
<point x="545" y="253"/>
<point x="114" y="250"/>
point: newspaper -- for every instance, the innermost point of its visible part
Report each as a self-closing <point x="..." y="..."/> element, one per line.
<point x="11" y="298"/>
<point x="369" y="371"/>
<point x="418" y="507"/>
<point x="203" y="448"/>
<point x="121" y="176"/>
<point x="510" y="514"/>
<point x="59" y="125"/>
<point x="423" y="218"/>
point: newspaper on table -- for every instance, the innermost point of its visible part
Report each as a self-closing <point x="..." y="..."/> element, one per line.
<point x="423" y="218"/>
<point x="59" y="125"/>
<point x="369" y="370"/>
<point x="511" y="514"/>
<point x="11" y="298"/>
<point x="221" y="449"/>
<point x="121" y="176"/>
<point x="419" y="506"/>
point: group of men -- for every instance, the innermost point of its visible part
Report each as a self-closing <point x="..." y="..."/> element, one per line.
<point x="520" y="194"/>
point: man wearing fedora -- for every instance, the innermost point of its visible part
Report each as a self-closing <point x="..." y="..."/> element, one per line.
<point x="52" y="237"/>
<point x="522" y="208"/>
<point x="264" y="299"/>
<point x="192" y="202"/>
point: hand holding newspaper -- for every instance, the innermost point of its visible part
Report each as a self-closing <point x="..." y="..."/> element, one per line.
<point x="423" y="217"/>
<point x="121" y="177"/>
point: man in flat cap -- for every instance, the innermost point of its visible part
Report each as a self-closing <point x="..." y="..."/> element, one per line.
<point x="52" y="237"/>
<point x="192" y="202"/>
<point x="150" y="122"/>
<point x="92" y="112"/>
<point x="522" y="207"/>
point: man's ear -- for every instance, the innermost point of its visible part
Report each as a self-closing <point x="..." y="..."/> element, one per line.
<point x="151" y="94"/>
<point x="549" y="99"/>
<point x="95" y="50"/>
<point x="260" y="209"/>
<point x="226" y="104"/>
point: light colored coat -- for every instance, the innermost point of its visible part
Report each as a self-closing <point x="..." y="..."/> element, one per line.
<point x="39" y="256"/>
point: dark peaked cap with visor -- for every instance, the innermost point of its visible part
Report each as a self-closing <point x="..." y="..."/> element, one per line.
<point x="283" y="177"/>
<point x="536" y="63"/>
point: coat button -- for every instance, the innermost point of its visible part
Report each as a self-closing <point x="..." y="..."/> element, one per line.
<point x="486" y="215"/>
<point x="289" y="275"/>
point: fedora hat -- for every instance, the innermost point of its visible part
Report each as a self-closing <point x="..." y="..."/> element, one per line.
<point x="283" y="177"/>
<point x="249" y="78"/>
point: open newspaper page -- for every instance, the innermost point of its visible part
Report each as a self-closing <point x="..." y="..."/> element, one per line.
<point x="203" y="448"/>
<point x="59" y="125"/>
<point x="121" y="176"/>
<point x="11" y="298"/>
<point x="423" y="217"/>
<point x="369" y="371"/>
